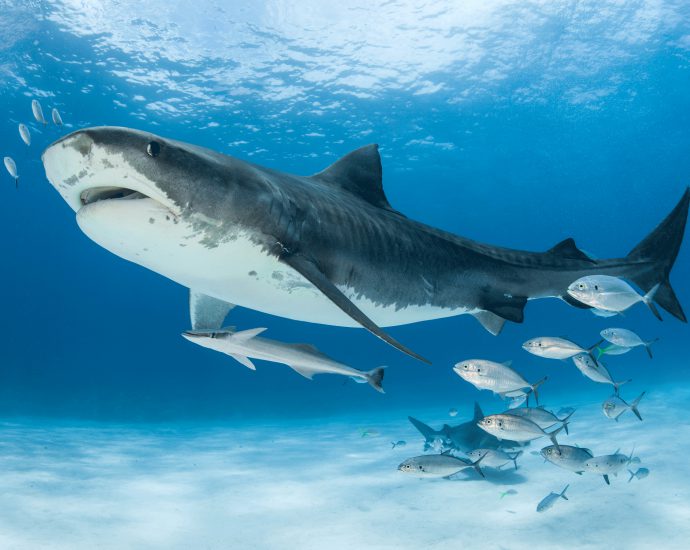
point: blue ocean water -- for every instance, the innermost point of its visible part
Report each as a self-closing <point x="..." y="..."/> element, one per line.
<point x="513" y="123"/>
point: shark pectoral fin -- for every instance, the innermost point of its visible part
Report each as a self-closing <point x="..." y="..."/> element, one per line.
<point x="207" y="313"/>
<point x="243" y="360"/>
<point x="511" y="308"/>
<point x="309" y="270"/>
<point x="307" y="373"/>
<point x="490" y="321"/>
<point x="244" y="335"/>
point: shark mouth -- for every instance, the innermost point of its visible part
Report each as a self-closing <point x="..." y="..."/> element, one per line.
<point x="96" y="194"/>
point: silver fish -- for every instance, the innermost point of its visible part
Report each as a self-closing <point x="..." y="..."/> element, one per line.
<point x="500" y="378"/>
<point x="610" y="294"/>
<point x="453" y="412"/>
<point x="517" y="428"/>
<point x="400" y="443"/>
<point x="25" y="134"/>
<point x="596" y="371"/>
<point x="494" y="458"/>
<point x="625" y="338"/>
<point x="641" y="473"/>
<point x="606" y="465"/>
<point x="541" y="417"/>
<point x="509" y="492"/>
<point x="549" y="500"/>
<point x="57" y="119"/>
<point x="567" y="457"/>
<point x="553" y="347"/>
<point x="615" y="406"/>
<point x="12" y="169"/>
<point x="38" y="112"/>
<point x="443" y="465"/>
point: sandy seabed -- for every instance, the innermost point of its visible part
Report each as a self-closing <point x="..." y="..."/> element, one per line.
<point x="308" y="485"/>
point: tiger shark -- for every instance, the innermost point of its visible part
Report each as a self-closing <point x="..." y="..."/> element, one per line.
<point x="326" y="248"/>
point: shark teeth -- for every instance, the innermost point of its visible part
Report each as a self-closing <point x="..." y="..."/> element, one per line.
<point x="95" y="194"/>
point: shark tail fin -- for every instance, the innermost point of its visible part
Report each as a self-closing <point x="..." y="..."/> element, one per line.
<point x="657" y="254"/>
<point x="375" y="378"/>
<point x="634" y="404"/>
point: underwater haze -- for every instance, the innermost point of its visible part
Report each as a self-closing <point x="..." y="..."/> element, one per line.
<point x="513" y="123"/>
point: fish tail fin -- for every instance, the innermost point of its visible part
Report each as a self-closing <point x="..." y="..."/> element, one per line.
<point x="648" y="347"/>
<point x="515" y="457"/>
<point x="632" y="475"/>
<point x="634" y="404"/>
<point x="475" y="465"/>
<point x="393" y="444"/>
<point x="375" y="378"/>
<point x="566" y="421"/>
<point x="590" y="350"/>
<point x="562" y="495"/>
<point x="617" y="385"/>
<point x="648" y="300"/>
<point x="534" y="388"/>
<point x="552" y="437"/>
<point x="656" y="255"/>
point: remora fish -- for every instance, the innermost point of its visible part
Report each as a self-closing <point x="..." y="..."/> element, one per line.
<point x="302" y="358"/>
<point x="567" y="457"/>
<point x="541" y="417"/>
<point x="615" y="406"/>
<point x="443" y="465"/>
<point x="37" y="110"/>
<point x="326" y="248"/>
<point x="624" y="338"/>
<point x="606" y="465"/>
<point x="494" y="458"/>
<point x="549" y="500"/>
<point x="11" y="167"/>
<point x="554" y="347"/>
<point x="596" y="371"/>
<point x="610" y="294"/>
<point x="25" y="134"/>
<point x="517" y="428"/>
<point x="57" y="119"/>
<point x="497" y="377"/>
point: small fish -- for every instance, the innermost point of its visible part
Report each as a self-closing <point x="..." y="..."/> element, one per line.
<point x="443" y="465"/>
<point x="541" y="417"/>
<point x="615" y="406"/>
<point x="369" y="432"/>
<point x="549" y="500"/>
<point x="516" y="428"/>
<point x="25" y="134"/>
<point x="606" y="465"/>
<point x="500" y="378"/>
<point x="400" y="443"/>
<point x="625" y="338"/>
<point x="565" y="411"/>
<point x="610" y="294"/>
<point x="596" y="371"/>
<point x="494" y="458"/>
<point x="567" y="457"/>
<point x="38" y="112"/>
<point x="12" y="169"/>
<point x="57" y="119"/>
<point x="553" y="347"/>
<point x="641" y="473"/>
<point x="509" y="492"/>
<point x="453" y="412"/>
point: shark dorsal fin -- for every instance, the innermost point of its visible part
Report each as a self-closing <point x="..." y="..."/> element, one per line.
<point x="360" y="173"/>
<point x="568" y="249"/>
<point x="478" y="413"/>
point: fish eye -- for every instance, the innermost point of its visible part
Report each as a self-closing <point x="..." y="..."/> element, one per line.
<point x="581" y="286"/>
<point x="596" y="287"/>
<point x="549" y="451"/>
<point x="153" y="149"/>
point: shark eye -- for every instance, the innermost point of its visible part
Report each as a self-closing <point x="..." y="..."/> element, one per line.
<point x="153" y="149"/>
<point x="213" y="335"/>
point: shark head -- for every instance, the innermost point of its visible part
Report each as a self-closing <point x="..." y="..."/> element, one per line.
<point x="215" y="340"/>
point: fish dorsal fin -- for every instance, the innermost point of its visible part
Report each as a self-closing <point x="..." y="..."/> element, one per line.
<point x="478" y="413"/>
<point x="360" y="173"/>
<point x="568" y="249"/>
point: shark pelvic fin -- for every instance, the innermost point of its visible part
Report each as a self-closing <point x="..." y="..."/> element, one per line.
<point x="310" y="271"/>
<point x="360" y="173"/>
<point x="307" y="373"/>
<point x="243" y="360"/>
<point x="207" y="313"/>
